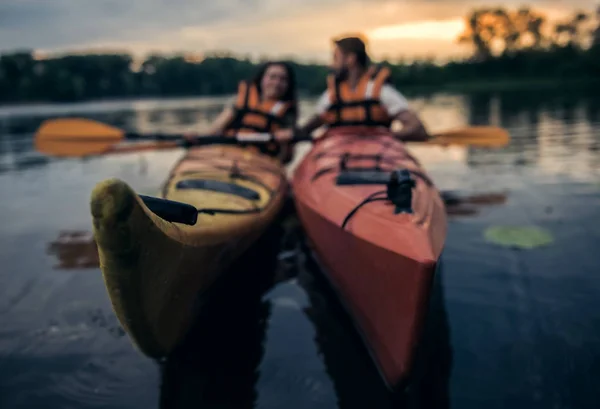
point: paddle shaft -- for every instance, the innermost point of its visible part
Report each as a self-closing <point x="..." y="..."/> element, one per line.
<point x="191" y="140"/>
<point x="84" y="137"/>
<point x="71" y="145"/>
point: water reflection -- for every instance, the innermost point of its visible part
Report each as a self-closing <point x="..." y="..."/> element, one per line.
<point x="356" y="380"/>
<point x="522" y="323"/>
<point x="216" y="365"/>
<point x="546" y="130"/>
<point x="464" y="204"/>
<point x="74" y="250"/>
<point x="17" y="151"/>
<point x="556" y="134"/>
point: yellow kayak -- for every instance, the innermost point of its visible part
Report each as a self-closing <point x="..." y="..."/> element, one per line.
<point x="158" y="273"/>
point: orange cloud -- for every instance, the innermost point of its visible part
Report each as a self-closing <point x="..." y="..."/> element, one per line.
<point x="304" y="30"/>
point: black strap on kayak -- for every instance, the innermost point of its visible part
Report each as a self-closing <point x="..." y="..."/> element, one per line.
<point x="358" y="175"/>
<point x="184" y="213"/>
<point x="399" y="183"/>
<point x="381" y="157"/>
<point x="235" y="172"/>
<point x="388" y="147"/>
<point x="379" y="161"/>
<point x="212" y="212"/>
<point x="362" y="177"/>
<point x="218" y="186"/>
<point x="399" y="186"/>
<point x="343" y="164"/>
<point x="241" y="176"/>
<point x="347" y="157"/>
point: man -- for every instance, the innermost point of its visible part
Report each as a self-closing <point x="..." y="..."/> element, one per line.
<point x="360" y="95"/>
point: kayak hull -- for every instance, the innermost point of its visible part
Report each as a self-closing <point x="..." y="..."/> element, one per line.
<point x="380" y="263"/>
<point x="158" y="274"/>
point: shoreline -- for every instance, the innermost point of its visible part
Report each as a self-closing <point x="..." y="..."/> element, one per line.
<point x="455" y="87"/>
<point x="504" y="85"/>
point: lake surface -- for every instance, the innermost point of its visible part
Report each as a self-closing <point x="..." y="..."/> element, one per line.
<point x="513" y="328"/>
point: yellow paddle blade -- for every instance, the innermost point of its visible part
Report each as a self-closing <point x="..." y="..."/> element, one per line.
<point x="76" y="137"/>
<point x="491" y="136"/>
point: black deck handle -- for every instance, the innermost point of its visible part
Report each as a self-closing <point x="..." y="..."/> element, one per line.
<point x="302" y="138"/>
<point x="171" y="211"/>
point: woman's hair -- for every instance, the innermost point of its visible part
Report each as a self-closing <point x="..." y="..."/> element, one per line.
<point x="290" y="93"/>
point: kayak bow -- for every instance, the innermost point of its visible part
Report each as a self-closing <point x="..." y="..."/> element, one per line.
<point x="158" y="273"/>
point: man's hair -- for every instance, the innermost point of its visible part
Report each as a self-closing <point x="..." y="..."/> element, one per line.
<point x="356" y="46"/>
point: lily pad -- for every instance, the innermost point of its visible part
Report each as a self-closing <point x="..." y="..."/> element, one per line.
<point x="522" y="237"/>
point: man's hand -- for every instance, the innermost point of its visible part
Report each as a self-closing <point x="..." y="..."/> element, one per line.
<point x="412" y="128"/>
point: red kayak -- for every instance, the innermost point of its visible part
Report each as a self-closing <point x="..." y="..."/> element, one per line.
<point x="377" y="224"/>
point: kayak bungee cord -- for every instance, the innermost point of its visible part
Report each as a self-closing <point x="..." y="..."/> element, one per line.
<point x="399" y="181"/>
<point x="369" y="199"/>
<point x="398" y="191"/>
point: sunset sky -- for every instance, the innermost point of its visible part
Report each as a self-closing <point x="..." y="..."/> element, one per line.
<point x="413" y="28"/>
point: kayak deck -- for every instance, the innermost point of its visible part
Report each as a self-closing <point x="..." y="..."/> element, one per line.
<point x="158" y="273"/>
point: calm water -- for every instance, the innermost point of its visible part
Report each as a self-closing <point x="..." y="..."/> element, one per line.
<point x="511" y="328"/>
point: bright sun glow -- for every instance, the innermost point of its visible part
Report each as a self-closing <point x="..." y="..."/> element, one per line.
<point x="432" y="29"/>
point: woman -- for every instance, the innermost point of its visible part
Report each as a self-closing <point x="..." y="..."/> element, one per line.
<point x="264" y="105"/>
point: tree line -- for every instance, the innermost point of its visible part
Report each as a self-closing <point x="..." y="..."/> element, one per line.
<point x="518" y="45"/>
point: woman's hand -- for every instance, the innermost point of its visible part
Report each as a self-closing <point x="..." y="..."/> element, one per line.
<point x="191" y="136"/>
<point x="284" y="135"/>
<point x="220" y="124"/>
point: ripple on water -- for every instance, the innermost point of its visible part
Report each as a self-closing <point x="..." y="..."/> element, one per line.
<point x="102" y="382"/>
<point x="77" y="363"/>
<point x="523" y="325"/>
<point x="292" y="370"/>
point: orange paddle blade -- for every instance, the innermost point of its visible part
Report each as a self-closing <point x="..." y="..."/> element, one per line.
<point x="491" y="136"/>
<point x="78" y="128"/>
<point x="68" y="148"/>
<point x="76" y="137"/>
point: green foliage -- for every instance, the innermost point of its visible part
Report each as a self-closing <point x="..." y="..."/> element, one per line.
<point x="508" y="46"/>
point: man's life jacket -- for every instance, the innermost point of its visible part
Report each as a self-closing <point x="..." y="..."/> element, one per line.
<point x="360" y="106"/>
